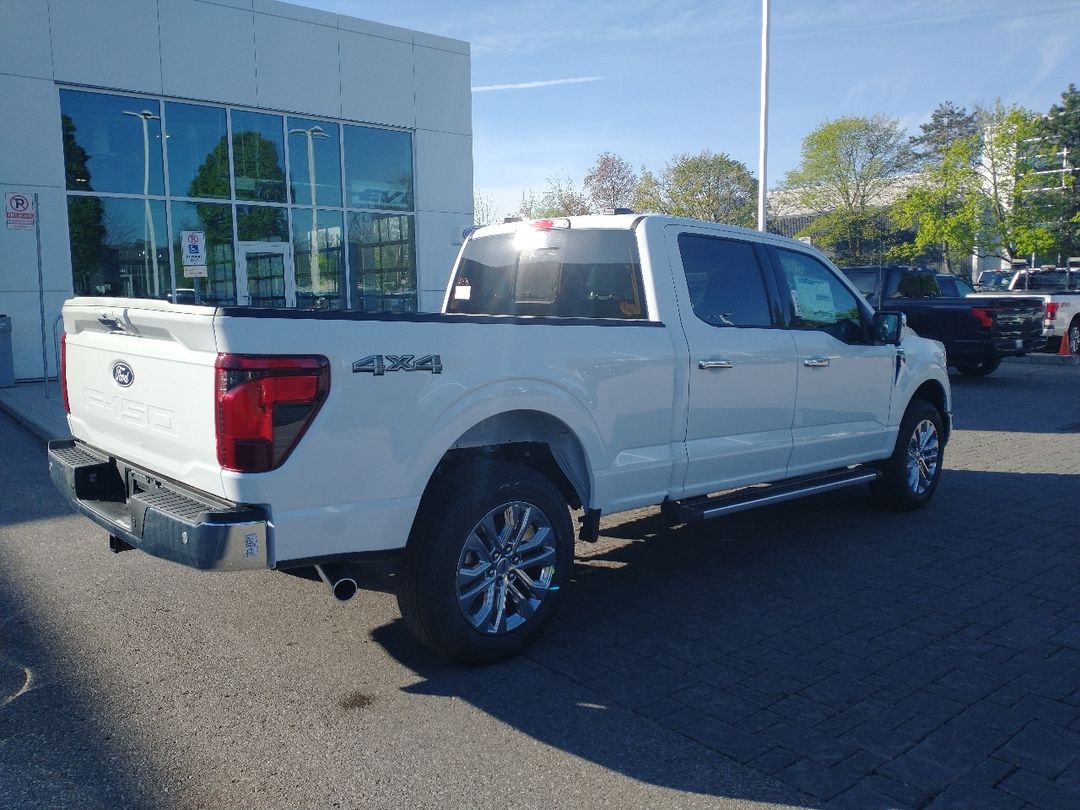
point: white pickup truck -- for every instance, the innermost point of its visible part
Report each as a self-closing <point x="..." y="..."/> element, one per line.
<point x="1060" y="291"/>
<point x="597" y="363"/>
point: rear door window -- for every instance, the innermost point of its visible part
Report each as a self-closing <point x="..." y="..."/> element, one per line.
<point x="725" y="281"/>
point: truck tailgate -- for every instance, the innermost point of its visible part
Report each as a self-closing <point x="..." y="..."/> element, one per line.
<point x="140" y="384"/>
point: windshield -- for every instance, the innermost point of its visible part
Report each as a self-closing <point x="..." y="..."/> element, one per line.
<point x="994" y="280"/>
<point x="562" y="272"/>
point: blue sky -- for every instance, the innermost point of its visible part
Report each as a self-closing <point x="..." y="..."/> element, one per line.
<point x="649" y="79"/>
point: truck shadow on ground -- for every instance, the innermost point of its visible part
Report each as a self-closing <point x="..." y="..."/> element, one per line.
<point x="860" y="657"/>
<point x="56" y="748"/>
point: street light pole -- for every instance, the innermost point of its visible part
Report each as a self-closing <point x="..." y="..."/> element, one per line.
<point x="146" y="116"/>
<point x="763" y="122"/>
<point x="311" y="133"/>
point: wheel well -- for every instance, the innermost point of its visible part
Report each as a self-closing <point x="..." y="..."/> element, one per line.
<point x="531" y="439"/>
<point x="933" y="393"/>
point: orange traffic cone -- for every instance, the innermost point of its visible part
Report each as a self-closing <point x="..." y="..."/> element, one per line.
<point x="1063" y="350"/>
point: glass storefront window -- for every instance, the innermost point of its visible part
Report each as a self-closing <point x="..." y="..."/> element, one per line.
<point x="314" y="162"/>
<point x="214" y="220"/>
<point x="319" y="258"/>
<point x="198" y="148"/>
<point x="382" y="257"/>
<point x="119" y="247"/>
<point x="262" y="223"/>
<point x="233" y="174"/>
<point x="107" y="148"/>
<point x="378" y="169"/>
<point x="258" y="156"/>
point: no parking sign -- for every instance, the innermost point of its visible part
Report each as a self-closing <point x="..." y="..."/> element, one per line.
<point x="19" y="211"/>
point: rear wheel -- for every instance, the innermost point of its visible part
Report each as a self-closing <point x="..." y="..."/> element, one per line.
<point x="1073" y="336"/>
<point x="482" y="573"/>
<point x="977" y="366"/>
<point x="911" y="474"/>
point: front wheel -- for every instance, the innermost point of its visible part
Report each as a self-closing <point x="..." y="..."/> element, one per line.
<point x="977" y="366"/>
<point x="483" y="570"/>
<point x="911" y="474"/>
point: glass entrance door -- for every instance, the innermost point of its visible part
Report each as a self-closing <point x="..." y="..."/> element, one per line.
<point x="264" y="275"/>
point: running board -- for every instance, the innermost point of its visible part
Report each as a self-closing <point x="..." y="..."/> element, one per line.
<point x="696" y="509"/>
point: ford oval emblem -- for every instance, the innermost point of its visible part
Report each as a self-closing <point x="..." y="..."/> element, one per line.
<point x="122" y="374"/>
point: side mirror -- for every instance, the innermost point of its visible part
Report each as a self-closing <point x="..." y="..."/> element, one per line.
<point x="888" y="326"/>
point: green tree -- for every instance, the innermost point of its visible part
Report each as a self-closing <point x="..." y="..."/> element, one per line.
<point x="713" y="187"/>
<point x="945" y="207"/>
<point x="610" y="182"/>
<point x="1061" y="133"/>
<point x="948" y="124"/>
<point x="846" y="179"/>
<point x="1012" y="226"/>
<point x="86" y="215"/>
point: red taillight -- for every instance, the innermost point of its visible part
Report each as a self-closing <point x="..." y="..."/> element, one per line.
<point x="984" y="316"/>
<point x="264" y="405"/>
<point x="63" y="373"/>
<point x="1051" y="310"/>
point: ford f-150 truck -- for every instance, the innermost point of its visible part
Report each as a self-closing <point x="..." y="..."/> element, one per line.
<point x="977" y="333"/>
<point x="1060" y="292"/>
<point x="594" y="363"/>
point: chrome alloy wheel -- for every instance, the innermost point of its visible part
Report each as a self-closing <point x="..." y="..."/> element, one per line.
<point x="505" y="568"/>
<point x="1073" y="336"/>
<point x="922" y="457"/>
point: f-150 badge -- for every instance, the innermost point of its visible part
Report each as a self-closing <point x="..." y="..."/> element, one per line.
<point x="378" y="364"/>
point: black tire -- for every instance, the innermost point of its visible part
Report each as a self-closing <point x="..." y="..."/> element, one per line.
<point x="460" y="535"/>
<point x="910" y="475"/>
<point x="1072" y="334"/>
<point x="977" y="366"/>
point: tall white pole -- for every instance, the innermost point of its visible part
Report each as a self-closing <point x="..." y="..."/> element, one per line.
<point x="311" y="134"/>
<point x="763" y="121"/>
<point x="145" y="117"/>
<point x="316" y="276"/>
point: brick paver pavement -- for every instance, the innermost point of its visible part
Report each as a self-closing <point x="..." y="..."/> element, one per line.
<point x="869" y="659"/>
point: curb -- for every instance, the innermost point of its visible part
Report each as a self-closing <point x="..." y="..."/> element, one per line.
<point x="1050" y="359"/>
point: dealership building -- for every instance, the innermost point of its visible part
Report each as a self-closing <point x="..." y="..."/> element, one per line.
<point x="226" y="152"/>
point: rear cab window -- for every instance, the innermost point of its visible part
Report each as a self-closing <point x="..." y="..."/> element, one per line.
<point x="561" y="272"/>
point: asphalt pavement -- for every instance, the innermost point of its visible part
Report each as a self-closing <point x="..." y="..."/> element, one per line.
<point x="817" y="653"/>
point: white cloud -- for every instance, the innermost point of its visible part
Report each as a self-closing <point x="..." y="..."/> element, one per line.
<point x="485" y="88"/>
<point x="1051" y="51"/>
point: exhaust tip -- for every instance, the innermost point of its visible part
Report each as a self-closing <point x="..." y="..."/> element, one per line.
<point x="339" y="580"/>
<point x="344" y="589"/>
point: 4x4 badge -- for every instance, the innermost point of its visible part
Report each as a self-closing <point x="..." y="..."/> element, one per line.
<point x="378" y="364"/>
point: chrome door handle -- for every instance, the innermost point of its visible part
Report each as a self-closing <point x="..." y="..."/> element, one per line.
<point x="707" y="364"/>
<point x="816" y="362"/>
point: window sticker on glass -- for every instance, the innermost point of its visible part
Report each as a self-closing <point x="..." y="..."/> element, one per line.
<point x="815" y="299"/>
<point x="462" y="290"/>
